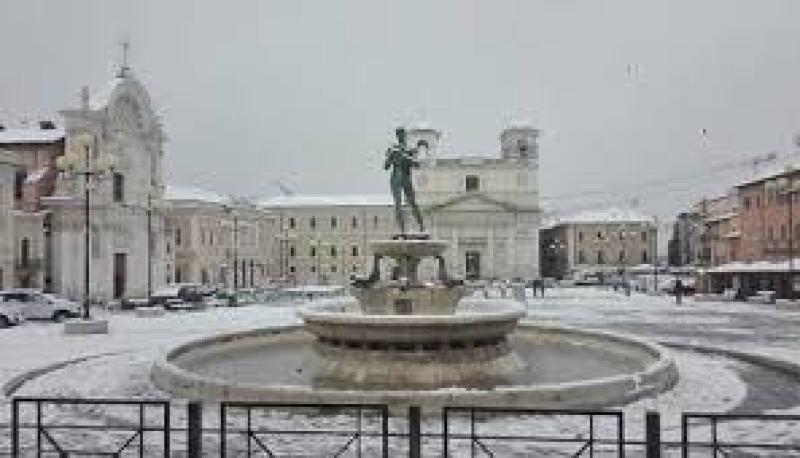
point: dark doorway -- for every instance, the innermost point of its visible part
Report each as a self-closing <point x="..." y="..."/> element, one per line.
<point x="473" y="265"/>
<point x="120" y="274"/>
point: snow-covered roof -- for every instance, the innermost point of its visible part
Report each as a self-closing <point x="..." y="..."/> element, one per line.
<point x="348" y="200"/>
<point x="28" y="129"/>
<point x="190" y="194"/>
<point x="609" y="215"/>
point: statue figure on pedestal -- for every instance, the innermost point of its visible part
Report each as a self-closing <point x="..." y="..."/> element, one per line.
<point x="400" y="158"/>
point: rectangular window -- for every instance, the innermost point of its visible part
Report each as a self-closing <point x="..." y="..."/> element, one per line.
<point x="312" y="223"/>
<point x="354" y="251"/>
<point x="746" y="203"/>
<point x="644" y="236"/>
<point x="292" y="223"/>
<point x="334" y="222"/>
<point x="313" y="251"/>
<point x="178" y="236"/>
<point x="472" y="183"/>
<point x="119" y="187"/>
<point x="19" y="182"/>
<point x="292" y="252"/>
<point x="333" y="251"/>
<point x="354" y="222"/>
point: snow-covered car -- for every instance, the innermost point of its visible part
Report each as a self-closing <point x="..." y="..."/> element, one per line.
<point x="10" y="314"/>
<point x="39" y="306"/>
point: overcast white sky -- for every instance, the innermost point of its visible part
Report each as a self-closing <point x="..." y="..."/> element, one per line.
<point x="310" y="91"/>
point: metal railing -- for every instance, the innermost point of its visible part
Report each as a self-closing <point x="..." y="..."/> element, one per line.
<point x="130" y="427"/>
<point x="255" y="433"/>
<point x="718" y="446"/>
<point x="478" y="440"/>
<point x="52" y="436"/>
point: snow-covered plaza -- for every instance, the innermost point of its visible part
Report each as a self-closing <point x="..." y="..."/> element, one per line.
<point x="732" y="358"/>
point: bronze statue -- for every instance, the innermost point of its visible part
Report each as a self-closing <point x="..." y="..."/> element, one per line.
<point x="401" y="159"/>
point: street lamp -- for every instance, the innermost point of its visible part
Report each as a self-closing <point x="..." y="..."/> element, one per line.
<point x="154" y="203"/>
<point x="77" y="162"/>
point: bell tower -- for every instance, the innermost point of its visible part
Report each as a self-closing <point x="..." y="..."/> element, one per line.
<point x="519" y="142"/>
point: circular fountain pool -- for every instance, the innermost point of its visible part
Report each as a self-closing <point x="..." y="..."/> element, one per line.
<point x="546" y="367"/>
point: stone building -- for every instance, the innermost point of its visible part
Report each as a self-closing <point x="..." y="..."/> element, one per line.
<point x="720" y="243"/>
<point x="324" y="239"/>
<point x="125" y="131"/>
<point x="486" y="208"/>
<point x="32" y="148"/>
<point x="597" y="243"/>
<point x="200" y="243"/>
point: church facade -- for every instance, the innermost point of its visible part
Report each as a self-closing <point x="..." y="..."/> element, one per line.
<point x="126" y="145"/>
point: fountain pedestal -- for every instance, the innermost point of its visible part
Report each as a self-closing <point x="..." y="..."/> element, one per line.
<point x="404" y="334"/>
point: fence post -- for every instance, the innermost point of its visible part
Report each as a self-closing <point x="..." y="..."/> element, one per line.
<point x="414" y="436"/>
<point x="652" y="434"/>
<point x="15" y="427"/>
<point x="194" y="431"/>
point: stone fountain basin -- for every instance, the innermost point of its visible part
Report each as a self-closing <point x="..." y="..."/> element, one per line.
<point x="412" y="329"/>
<point x="566" y="368"/>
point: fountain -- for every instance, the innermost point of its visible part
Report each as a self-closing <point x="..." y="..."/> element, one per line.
<point x="403" y="334"/>
<point x="405" y="341"/>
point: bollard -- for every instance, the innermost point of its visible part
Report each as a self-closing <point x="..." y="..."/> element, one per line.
<point x="652" y="434"/>
<point x="414" y="432"/>
<point x="194" y="431"/>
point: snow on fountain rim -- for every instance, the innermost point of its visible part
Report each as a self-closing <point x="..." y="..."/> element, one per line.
<point x="657" y="376"/>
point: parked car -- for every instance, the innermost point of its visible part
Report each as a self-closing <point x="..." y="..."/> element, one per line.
<point x="11" y="314"/>
<point x="178" y="295"/>
<point x="35" y="305"/>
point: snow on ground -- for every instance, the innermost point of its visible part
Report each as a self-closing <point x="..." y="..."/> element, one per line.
<point x="119" y="363"/>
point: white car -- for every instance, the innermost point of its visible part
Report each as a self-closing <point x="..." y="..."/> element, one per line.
<point x="39" y="306"/>
<point x="10" y="314"/>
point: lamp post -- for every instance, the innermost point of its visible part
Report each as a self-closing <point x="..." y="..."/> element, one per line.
<point x="154" y="203"/>
<point x="77" y="162"/>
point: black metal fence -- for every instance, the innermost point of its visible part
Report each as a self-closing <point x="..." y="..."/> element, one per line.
<point x="130" y="427"/>
<point x="716" y="444"/>
<point x="348" y="438"/>
<point x="579" y="444"/>
<point x="135" y="428"/>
